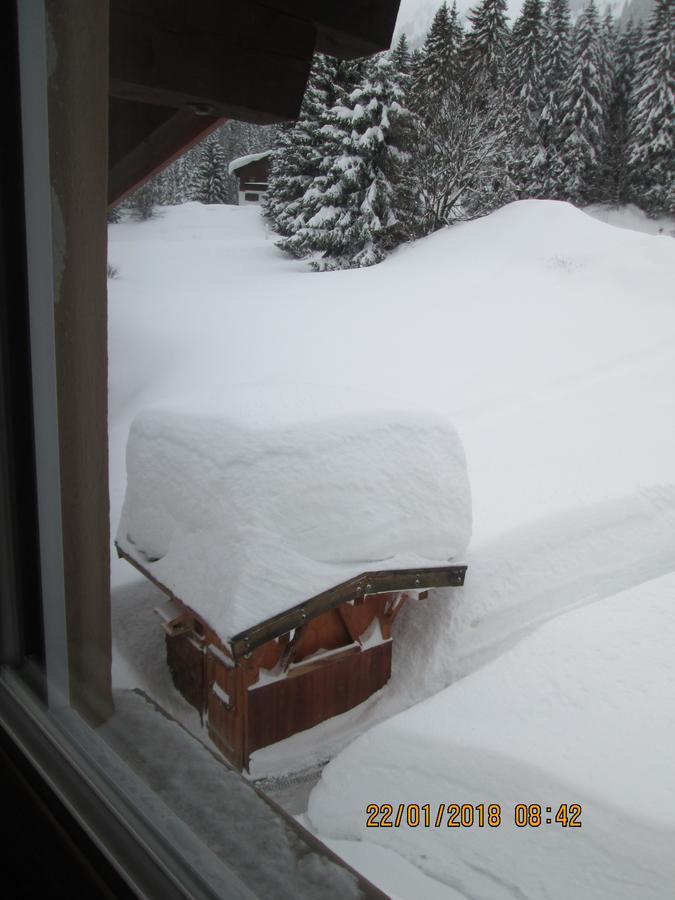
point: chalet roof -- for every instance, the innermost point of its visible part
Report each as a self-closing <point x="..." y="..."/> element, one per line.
<point x="242" y="161"/>
<point x="244" y="521"/>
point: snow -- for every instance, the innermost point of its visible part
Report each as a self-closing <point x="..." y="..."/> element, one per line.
<point x="221" y="694"/>
<point x="631" y="217"/>
<point x="241" y="161"/>
<point x="247" y="513"/>
<point x="580" y="712"/>
<point x="548" y="338"/>
<point x="220" y="656"/>
<point x="387" y="870"/>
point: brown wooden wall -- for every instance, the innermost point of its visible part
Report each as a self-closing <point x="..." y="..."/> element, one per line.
<point x="253" y="173"/>
<point x="258" y="712"/>
<point x="284" y="707"/>
<point x="227" y="721"/>
<point x="185" y="657"/>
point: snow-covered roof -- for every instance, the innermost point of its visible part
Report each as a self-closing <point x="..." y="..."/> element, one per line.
<point x="242" y="523"/>
<point x="242" y="161"/>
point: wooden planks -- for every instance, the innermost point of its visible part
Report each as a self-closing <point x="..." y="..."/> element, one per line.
<point x="237" y="59"/>
<point x="284" y="707"/>
<point x="144" y="139"/>
<point x="185" y="658"/>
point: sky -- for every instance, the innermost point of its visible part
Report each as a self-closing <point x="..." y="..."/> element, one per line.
<point x="415" y="16"/>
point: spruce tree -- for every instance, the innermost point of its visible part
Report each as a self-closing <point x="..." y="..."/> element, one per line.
<point x="525" y="79"/>
<point x="615" y="169"/>
<point x="353" y="210"/>
<point x="650" y="152"/>
<point x="401" y="57"/>
<point x="416" y="80"/>
<point x="556" y="62"/>
<point x="211" y="175"/>
<point x="526" y="90"/>
<point x="299" y="148"/>
<point x="583" y="113"/>
<point x="437" y="69"/>
<point x="484" y="51"/>
<point x="142" y="204"/>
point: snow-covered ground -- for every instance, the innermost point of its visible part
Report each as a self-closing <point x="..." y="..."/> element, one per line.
<point x="580" y="712"/>
<point x="548" y="338"/>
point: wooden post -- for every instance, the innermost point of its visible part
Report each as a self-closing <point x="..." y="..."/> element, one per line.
<point x="78" y="118"/>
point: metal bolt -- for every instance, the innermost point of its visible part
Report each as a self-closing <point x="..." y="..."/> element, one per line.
<point x="201" y="109"/>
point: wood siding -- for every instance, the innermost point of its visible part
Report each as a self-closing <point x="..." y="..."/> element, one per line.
<point x="284" y="707"/>
<point x="227" y="721"/>
<point x="287" y="684"/>
<point x="185" y="657"/>
<point x="253" y="173"/>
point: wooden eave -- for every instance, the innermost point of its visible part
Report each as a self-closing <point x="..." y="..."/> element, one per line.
<point x="345" y="28"/>
<point x="382" y="581"/>
<point x="179" y="68"/>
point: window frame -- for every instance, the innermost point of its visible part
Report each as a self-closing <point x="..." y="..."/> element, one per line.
<point x="91" y="791"/>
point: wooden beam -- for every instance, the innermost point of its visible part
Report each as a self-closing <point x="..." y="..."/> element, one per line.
<point x="344" y="618"/>
<point x="346" y="29"/>
<point x="237" y="59"/>
<point x="378" y="582"/>
<point x="144" y="139"/>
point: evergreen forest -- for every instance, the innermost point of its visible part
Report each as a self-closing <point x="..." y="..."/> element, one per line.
<point x="392" y="148"/>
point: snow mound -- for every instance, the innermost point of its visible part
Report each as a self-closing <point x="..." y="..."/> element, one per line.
<point x="242" y="520"/>
<point x="579" y="712"/>
<point x="631" y="217"/>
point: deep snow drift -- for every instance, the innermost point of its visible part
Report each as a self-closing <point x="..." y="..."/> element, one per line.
<point x="581" y="712"/>
<point x="244" y="519"/>
<point x="548" y="338"/>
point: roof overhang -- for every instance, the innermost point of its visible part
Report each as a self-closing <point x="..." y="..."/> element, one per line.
<point x="381" y="581"/>
<point x="179" y="68"/>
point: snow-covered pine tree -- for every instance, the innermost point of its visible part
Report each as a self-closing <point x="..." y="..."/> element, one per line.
<point x="485" y="89"/>
<point x="524" y="75"/>
<point x="436" y="73"/>
<point x="608" y="53"/>
<point x="353" y="209"/>
<point x="299" y="148"/>
<point x="401" y="57"/>
<point x="651" y="157"/>
<point x="283" y="179"/>
<point x="415" y="78"/>
<point x="525" y="84"/>
<point x="211" y="179"/>
<point x="614" y="163"/>
<point x="142" y="204"/>
<point x="484" y="50"/>
<point x="583" y="114"/>
<point x="185" y="167"/>
<point x="556" y="63"/>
